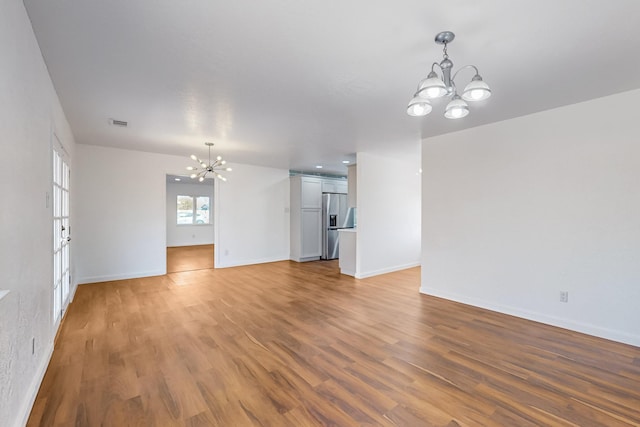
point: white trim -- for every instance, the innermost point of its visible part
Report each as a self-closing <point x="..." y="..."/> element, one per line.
<point x="347" y="272"/>
<point x="305" y="259"/>
<point x="252" y="262"/>
<point x="364" y="275"/>
<point x="3" y="293"/>
<point x="585" y="328"/>
<point x="216" y="221"/>
<point x="112" y="277"/>
<point x="57" y="145"/>
<point x="32" y="391"/>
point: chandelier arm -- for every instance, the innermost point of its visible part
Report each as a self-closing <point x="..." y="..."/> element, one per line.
<point x="466" y="66"/>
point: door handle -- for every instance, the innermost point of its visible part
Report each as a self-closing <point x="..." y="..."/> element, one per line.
<point x="69" y="239"/>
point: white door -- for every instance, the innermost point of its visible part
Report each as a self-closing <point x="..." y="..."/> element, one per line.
<point x="61" y="235"/>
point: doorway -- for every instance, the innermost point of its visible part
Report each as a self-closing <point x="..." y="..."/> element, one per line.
<point x="190" y="224"/>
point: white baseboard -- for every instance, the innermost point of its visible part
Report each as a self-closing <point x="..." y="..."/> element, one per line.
<point x="347" y="272"/>
<point x="34" y="387"/>
<point x="585" y="328"/>
<point x="365" y="274"/>
<point x="123" y="276"/>
<point x="306" y="259"/>
<point x="240" y="263"/>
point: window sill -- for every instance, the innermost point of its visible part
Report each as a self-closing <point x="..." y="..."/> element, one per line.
<point x="3" y="293"/>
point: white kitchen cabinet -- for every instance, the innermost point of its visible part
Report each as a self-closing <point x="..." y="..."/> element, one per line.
<point x="311" y="227"/>
<point x="310" y="193"/>
<point x="306" y="214"/>
<point x="306" y="217"/>
<point x="334" y="186"/>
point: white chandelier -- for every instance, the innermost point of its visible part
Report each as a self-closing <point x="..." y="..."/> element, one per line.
<point x="433" y="87"/>
<point x="204" y="168"/>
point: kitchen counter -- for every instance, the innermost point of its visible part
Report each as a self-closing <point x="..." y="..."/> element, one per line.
<point x="347" y="258"/>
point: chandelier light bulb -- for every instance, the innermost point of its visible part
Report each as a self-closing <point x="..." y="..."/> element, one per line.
<point x="190" y="168"/>
<point x="219" y="158"/>
<point x="193" y="157"/>
<point x="456" y="109"/>
<point x="201" y="179"/>
<point x="418" y="107"/>
<point x="432" y="87"/>
<point x="476" y="90"/>
<point x="228" y="169"/>
<point x="193" y="175"/>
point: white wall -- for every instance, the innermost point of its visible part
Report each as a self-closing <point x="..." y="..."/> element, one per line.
<point x="388" y="200"/>
<point x="517" y="211"/>
<point x="121" y="227"/>
<point x="29" y="113"/>
<point x="188" y="235"/>
<point x="252" y="223"/>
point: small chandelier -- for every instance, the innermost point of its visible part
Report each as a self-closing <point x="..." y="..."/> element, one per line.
<point x="433" y="86"/>
<point x="204" y="168"/>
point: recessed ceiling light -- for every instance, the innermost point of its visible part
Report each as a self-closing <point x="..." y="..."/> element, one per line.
<point x="177" y="179"/>
<point x="346" y="162"/>
<point x="318" y="166"/>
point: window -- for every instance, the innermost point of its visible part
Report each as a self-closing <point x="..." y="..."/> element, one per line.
<point x="193" y="210"/>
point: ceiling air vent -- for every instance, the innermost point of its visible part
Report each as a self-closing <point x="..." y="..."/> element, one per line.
<point x="120" y="123"/>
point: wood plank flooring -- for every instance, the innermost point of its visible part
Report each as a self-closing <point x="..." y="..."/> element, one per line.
<point x="189" y="258"/>
<point x="288" y="344"/>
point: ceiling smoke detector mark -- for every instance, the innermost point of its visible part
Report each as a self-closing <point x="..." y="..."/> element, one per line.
<point x="120" y="123"/>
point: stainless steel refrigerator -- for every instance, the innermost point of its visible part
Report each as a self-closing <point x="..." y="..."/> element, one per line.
<point x="334" y="217"/>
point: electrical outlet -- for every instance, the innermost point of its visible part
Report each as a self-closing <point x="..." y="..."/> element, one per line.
<point x="564" y="296"/>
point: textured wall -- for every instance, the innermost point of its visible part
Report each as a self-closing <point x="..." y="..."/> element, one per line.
<point x="517" y="211"/>
<point x="29" y="113"/>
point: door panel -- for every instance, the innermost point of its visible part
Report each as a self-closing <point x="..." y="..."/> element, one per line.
<point x="61" y="235"/>
<point x="311" y="243"/>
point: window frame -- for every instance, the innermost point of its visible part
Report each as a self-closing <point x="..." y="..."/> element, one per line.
<point x="194" y="210"/>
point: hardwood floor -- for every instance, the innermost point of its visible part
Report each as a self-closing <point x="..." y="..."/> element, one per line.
<point x="189" y="258"/>
<point x="288" y="344"/>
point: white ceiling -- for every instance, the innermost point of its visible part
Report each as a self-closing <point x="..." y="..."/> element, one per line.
<point x="292" y="83"/>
